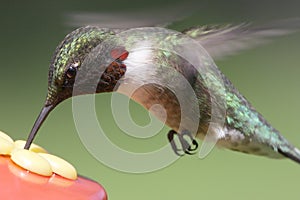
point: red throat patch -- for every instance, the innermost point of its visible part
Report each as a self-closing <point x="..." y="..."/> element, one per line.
<point x="119" y="53"/>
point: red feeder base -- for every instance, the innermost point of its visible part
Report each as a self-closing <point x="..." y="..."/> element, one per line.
<point x="17" y="183"/>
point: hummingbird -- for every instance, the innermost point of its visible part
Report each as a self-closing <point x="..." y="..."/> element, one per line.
<point x="244" y="130"/>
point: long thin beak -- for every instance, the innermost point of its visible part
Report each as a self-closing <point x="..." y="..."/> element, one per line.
<point x="39" y="121"/>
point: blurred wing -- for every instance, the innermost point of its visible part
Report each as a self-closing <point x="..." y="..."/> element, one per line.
<point x="126" y="19"/>
<point x="225" y="40"/>
<point x="219" y="40"/>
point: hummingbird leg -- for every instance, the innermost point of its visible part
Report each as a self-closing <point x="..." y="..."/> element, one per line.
<point x="187" y="147"/>
<point x="171" y="135"/>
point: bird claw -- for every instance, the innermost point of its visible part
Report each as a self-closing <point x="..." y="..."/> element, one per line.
<point x="171" y="135"/>
<point x="186" y="147"/>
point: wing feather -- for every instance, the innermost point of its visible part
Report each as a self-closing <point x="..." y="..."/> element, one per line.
<point x="225" y="40"/>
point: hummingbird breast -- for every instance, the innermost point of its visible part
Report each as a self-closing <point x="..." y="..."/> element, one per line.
<point x="161" y="102"/>
<point x="162" y="84"/>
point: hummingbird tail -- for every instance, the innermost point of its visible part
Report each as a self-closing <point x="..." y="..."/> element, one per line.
<point x="292" y="153"/>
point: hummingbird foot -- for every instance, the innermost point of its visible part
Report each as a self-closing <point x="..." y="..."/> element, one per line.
<point x="188" y="147"/>
<point x="171" y="135"/>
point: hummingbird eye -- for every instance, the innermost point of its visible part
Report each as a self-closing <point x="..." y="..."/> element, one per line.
<point x="71" y="72"/>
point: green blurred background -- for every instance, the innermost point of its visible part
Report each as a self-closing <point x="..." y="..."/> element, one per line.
<point x="268" y="76"/>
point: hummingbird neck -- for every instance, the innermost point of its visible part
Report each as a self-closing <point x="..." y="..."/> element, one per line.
<point x="138" y="69"/>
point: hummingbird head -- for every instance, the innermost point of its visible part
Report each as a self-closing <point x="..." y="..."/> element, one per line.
<point x="66" y="63"/>
<point x="68" y="58"/>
